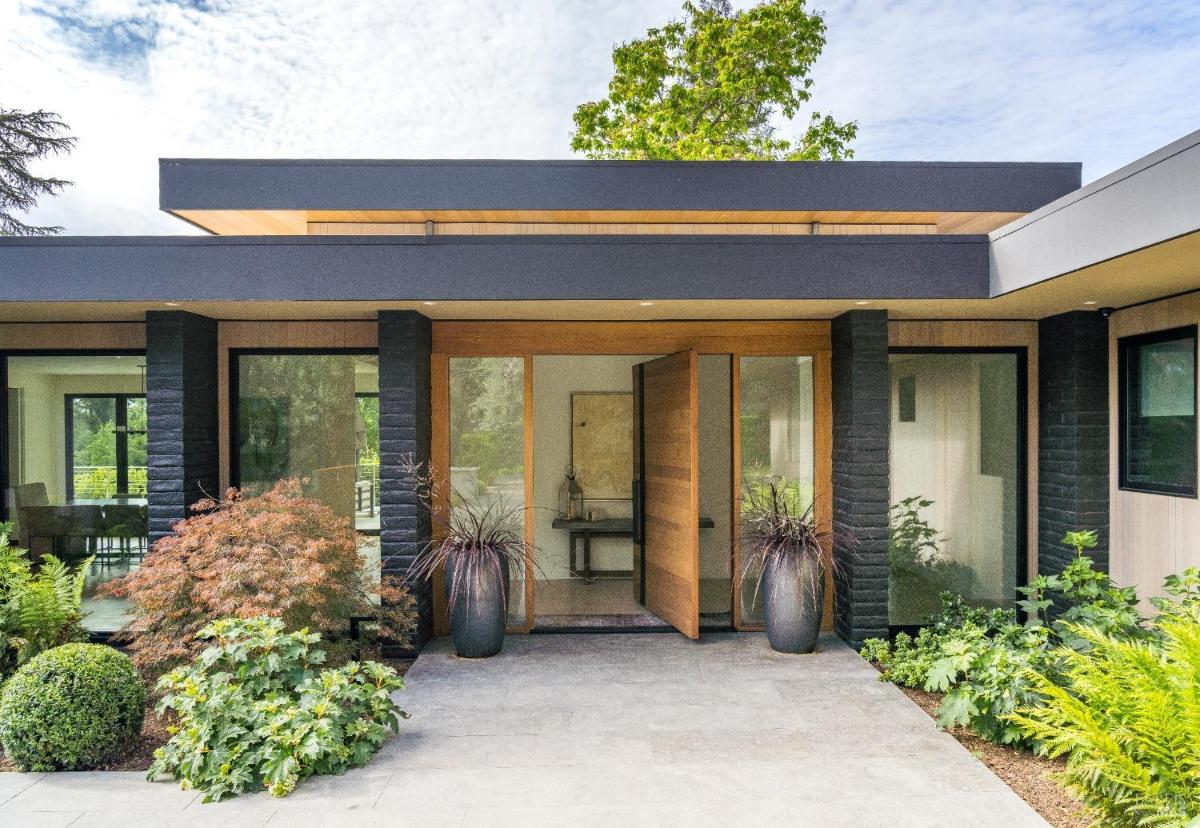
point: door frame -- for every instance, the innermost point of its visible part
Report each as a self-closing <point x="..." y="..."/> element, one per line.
<point x="729" y="338"/>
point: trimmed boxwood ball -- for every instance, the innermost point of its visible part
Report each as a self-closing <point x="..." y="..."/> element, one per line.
<point x="71" y="708"/>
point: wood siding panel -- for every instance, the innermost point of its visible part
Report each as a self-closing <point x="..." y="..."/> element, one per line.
<point x="1151" y="536"/>
<point x="72" y="336"/>
<point x="538" y="338"/>
<point x="500" y="228"/>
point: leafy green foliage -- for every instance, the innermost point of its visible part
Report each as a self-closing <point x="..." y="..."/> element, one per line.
<point x="1091" y="598"/>
<point x="257" y="710"/>
<point x="912" y="543"/>
<point x="38" y="609"/>
<point x="908" y="661"/>
<point x="709" y="87"/>
<point x="986" y="678"/>
<point x="71" y="708"/>
<point x="1126" y="714"/>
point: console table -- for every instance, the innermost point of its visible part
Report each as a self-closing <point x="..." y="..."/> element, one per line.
<point x="610" y="527"/>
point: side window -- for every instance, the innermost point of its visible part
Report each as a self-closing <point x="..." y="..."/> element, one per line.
<point x="1158" y="412"/>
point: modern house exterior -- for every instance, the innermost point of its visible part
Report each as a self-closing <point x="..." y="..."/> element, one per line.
<point x="994" y="341"/>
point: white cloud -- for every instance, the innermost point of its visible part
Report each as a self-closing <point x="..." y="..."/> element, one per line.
<point x="140" y="79"/>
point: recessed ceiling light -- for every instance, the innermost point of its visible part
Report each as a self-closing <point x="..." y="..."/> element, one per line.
<point x="645" y="304"/>
<point x="171" y="304"/>
<point x="863" y="302"/>
<point x="1091" y="302"/>
<point x="429" y="303"/>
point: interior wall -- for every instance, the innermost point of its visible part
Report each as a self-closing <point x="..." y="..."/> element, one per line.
<point x="554" y="379"/>
<point x="1151" y="535"/>
<point x="716" y="459"/>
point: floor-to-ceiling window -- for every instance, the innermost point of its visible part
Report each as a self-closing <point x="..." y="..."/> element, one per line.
<point x="775" y="411"/>
<point x="957" y="479"/>
<point x="75" y="467"/>
<point x="313" y="416"/>
<point x="487" y="448"/>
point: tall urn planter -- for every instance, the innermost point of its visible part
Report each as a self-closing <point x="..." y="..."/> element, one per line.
<point x="785" y="554"/>
<point x="477" y="543"/>
<point x="793" y="590"/>
<point x="477" y="600"/>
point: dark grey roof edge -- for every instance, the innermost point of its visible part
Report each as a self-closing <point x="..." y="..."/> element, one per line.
<point x="470" y="184"/>
<point x="206" y="268"/>
<point x="584" y="162"/>
<point x="907" y="239"/>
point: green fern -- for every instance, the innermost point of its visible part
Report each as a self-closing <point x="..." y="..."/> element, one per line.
<point x="39" y="609"/>
<point x="1126" y="714"/>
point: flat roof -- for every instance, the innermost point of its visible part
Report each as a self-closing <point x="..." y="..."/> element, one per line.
<point x="192" y="184"/>
<point x="461" y="268"/>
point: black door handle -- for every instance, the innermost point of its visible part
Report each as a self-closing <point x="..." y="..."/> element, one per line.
<point x="638" y="529"/>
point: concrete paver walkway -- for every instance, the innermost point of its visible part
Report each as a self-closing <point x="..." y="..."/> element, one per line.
<point x="622" y="730"/>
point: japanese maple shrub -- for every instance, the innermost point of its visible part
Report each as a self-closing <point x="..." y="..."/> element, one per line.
<point x="256" y="710"/>
<point x="276" y="554"/>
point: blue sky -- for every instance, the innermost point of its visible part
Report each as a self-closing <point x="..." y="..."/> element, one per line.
<point x="1098" y="82"/>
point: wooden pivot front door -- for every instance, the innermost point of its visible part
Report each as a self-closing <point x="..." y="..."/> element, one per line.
<point x="667" y="471"/>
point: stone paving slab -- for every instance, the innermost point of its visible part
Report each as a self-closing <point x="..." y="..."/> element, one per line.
<point x="628" y="730"/>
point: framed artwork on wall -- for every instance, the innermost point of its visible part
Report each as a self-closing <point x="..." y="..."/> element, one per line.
<point x="602" y="443"/>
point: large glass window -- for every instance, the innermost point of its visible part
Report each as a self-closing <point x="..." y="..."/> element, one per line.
<point x="76" y="466"/>
<point x="487" y="445"/>
<point x="1158" y="412"/>
<point x="106" y="444"/>
<point x="956" y="482"/>
<point x="775" y="407"/>
<point x="313" y="416"/>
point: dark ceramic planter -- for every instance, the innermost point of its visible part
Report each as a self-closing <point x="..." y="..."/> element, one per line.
<point x="478" y="615"/>
<point x="793" y="597"/>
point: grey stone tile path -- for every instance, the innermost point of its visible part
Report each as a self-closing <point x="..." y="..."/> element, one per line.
<point x="614" y="730"/>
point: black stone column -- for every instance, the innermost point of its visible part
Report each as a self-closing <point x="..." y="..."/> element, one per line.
<point x="405" y="344"/>
<point x="181" y="415"/>
<point x="861" y="419"/>
<point x="1072" y="435"/>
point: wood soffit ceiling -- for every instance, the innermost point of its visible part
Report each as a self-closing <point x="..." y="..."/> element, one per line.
<point x="296" y="222"/>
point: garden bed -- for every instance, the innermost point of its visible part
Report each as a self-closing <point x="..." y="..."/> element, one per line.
<point x="1027" y="774"/>
<point x="154" y="734"/>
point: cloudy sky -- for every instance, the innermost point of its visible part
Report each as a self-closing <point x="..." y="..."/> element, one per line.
<point x="1100" y="81"/>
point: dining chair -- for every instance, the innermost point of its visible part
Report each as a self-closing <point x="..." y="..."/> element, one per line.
<point x="127" y="524"/>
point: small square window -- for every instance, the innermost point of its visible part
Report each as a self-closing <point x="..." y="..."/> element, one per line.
<point x="1157" y="388"/>
<point x="907" y="393"/>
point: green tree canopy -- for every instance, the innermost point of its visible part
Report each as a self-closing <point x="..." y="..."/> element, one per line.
<point x="710" y="86"/>
<point x="25" y="137"/>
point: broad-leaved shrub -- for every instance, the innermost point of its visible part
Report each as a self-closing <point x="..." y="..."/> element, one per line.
<point x="257" y="710"/>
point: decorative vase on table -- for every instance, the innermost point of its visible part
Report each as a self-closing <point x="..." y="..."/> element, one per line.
<point x="570" y="496"/>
